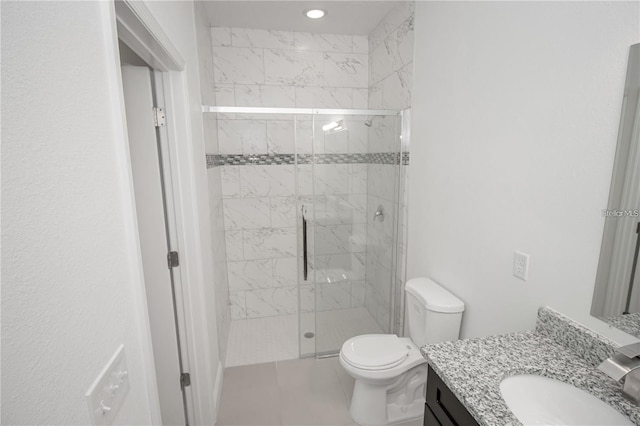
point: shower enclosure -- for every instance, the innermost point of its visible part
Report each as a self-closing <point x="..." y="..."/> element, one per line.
<point x="311" y="202"/>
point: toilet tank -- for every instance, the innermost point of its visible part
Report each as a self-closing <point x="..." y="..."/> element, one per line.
<point x="432" y="313"/>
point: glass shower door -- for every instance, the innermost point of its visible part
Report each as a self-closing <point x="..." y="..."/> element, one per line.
<point x="347" y="168"/>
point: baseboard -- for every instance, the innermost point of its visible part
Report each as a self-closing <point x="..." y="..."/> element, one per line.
<point x="217" y="388"/>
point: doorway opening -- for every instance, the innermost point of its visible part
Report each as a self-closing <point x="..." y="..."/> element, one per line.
<point x="146" y="127"/>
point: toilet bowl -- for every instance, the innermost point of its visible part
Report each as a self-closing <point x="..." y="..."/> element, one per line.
<point x="390" y="372"/>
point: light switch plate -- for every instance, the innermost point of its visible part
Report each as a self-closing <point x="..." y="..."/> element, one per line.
<point x="108" y="392"/>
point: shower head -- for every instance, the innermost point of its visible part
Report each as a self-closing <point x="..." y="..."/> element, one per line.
<point x="369" y="122"/>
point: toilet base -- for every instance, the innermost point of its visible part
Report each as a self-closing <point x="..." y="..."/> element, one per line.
<point x="384" y="403"/>
<point x="404" y="413"/>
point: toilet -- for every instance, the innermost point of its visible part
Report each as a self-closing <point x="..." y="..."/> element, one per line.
<point x="390" y="372"/>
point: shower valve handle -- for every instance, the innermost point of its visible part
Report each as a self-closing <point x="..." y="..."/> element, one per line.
<point x="379" y="214"/>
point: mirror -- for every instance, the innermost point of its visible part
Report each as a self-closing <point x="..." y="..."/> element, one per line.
<point x="616" y="299"/>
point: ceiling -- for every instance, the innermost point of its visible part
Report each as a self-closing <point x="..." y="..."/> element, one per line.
<point x="343" y="17"/>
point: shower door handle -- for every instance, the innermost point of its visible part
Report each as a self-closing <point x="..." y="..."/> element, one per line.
<point x="305" y="256"/>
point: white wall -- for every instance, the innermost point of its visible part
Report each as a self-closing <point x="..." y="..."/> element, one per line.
<point x="70" y="265"/>
<point x="515" y="116"/>
<point x="70" y="260"/>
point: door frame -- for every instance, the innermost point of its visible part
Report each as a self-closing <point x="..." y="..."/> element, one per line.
<point x="134" y="24"/>
<point x="142" y="93"/>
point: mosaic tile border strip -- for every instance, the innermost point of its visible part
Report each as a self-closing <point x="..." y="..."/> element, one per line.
<point x="279" y="159"/>
<point x="405" y="158"/>
<point x="334" y="158"/>
<point x="249" y="160"/>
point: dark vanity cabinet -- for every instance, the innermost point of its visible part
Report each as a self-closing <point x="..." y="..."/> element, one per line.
<point x="443" y="408"/>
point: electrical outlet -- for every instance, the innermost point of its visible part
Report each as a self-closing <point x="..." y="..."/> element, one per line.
<point x="521" y="265"/>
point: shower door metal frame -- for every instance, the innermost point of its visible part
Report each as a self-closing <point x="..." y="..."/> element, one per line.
<point x="299" y="111"/>
<point x="397" y="325"/>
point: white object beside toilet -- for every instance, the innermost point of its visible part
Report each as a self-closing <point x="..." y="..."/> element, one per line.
<point x="389" y="371"/>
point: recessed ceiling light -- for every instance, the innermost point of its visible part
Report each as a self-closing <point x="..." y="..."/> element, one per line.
<point x="315" y="13"/>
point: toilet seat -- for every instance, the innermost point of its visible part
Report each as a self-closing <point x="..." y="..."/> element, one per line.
<point x="375" y="352"/>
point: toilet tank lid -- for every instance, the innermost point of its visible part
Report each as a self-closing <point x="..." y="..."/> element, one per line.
<point x="434" y="297"/>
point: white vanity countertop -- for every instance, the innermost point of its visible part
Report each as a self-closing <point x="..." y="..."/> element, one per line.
<point x="559" y="348"/>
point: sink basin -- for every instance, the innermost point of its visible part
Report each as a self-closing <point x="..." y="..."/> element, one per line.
<point x="537" y="400"/>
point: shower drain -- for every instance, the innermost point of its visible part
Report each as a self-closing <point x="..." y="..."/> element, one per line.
<point x="309" y="335"/>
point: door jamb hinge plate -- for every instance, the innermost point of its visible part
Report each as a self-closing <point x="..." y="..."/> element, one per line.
<point x="173" y="259"/>
<point x="185" y="380"/>
<point x="159" y="117"/>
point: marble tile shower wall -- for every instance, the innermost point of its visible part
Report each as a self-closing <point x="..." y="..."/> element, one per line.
<point x="287" y="69"/>
<point x="218" y="247"/>
<point x="391" y="59"/>
<point x="262" y="68"/>
<point x="260" y="219"/>
<point x="382" y="184"/>
<point x="390" y="83"/>
<point x="338" y="235"/>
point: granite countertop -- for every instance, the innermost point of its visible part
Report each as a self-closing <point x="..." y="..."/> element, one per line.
<point x="629" y="323"/>
<point x="474" y="368"/>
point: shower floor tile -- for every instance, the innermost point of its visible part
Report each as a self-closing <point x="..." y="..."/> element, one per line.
<point x="260" y="340"/>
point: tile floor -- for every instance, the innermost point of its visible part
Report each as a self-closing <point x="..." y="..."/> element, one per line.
<point x="260" y="340"/>
<point x="299" y="392"/>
